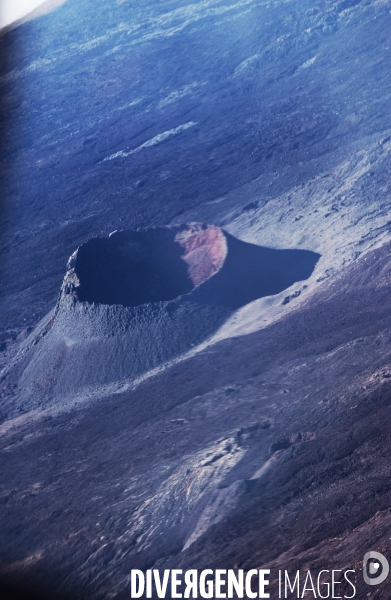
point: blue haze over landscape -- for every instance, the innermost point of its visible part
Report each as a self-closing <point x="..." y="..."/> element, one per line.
<point x="208" y="424"/>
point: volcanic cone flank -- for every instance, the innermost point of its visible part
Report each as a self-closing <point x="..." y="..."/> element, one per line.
<point x="137" y="299"/>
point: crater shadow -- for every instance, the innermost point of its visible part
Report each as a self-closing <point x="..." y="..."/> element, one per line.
<point x="251" y="272"/>
<point x="131" y="268"/>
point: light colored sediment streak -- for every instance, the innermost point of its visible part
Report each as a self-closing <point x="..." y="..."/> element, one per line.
<point x="186" y="90"/>
<point x="158" y="139"/>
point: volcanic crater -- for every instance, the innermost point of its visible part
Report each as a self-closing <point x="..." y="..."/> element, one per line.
<point x="153" y="265"/>
<point x="136" y="300"/>
<point x="132" y="268"/>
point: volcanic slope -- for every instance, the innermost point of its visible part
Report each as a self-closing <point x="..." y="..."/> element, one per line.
<point x="270" y="119"/>
<point x="277" y="456"/>
<point x="137" y="299"/>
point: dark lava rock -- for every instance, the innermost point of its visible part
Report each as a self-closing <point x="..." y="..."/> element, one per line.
<point x="279" y="91"/>
<point x="253" y="103"/>
<point x="119" y="484"/>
